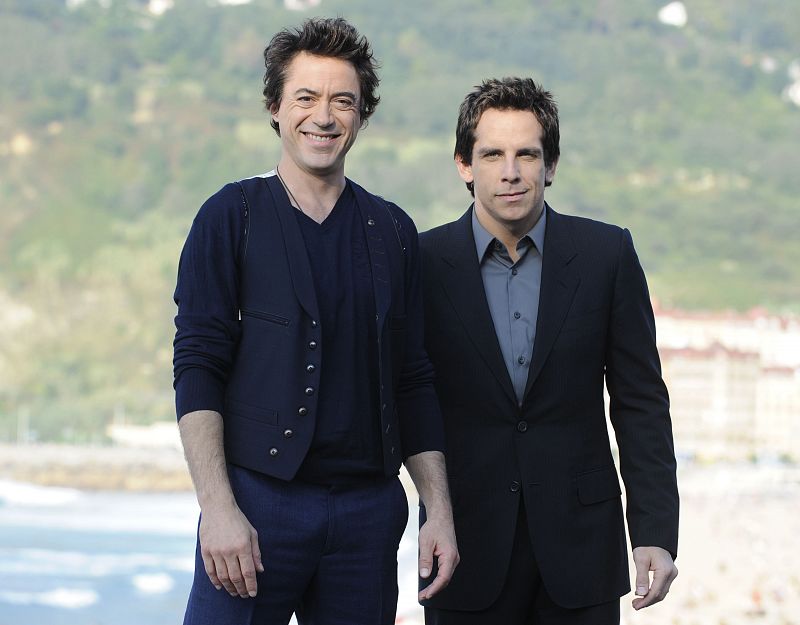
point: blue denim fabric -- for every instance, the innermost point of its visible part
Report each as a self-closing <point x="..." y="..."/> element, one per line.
<point x="329" y="554"/>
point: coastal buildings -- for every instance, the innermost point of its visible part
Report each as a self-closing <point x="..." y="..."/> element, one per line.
<point x="734" y="382"/>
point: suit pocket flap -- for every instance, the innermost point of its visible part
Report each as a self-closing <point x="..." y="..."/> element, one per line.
<point x="254" y="413"/>
<point x="597" y="486"/>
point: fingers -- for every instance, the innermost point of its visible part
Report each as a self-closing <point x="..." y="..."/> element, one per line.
<point x="256" y="550"/>
<point x="425" y="556"/>
<point x="664" y="572"/>
<point x="230" y="552"/>
<point x="247" y="586"/>
<point x="211" y="570"/>
<point x="234" y="572"/>
<point x="447" y="562"/>
<point x="642" y="564"/>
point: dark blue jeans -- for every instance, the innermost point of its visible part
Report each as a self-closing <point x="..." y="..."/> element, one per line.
<point x="329" y="554"/>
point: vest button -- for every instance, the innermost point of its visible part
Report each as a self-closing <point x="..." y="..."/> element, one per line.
<point x="310" y="368"/>
<point x="302" y="411"/>
<point x="288" y="434"/>
<point x="309" y="390"/>
<point x="312" y="345"/>
<point x="273" y="452"/>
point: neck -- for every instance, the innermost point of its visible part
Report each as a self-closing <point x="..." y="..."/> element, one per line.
<point x="315" y="194"/>
<point x="508" y="233"/>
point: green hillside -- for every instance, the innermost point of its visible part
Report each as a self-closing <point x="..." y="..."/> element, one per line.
<point x="116" y="124"/>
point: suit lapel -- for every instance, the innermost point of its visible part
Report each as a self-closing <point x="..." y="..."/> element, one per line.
<point x="463" y="284"/>
<point x="558" y="285"/>
<point x="299" y="266"/>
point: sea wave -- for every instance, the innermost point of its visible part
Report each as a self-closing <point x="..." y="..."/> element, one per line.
<point x="31" y="495"/>
<point x="80" y="564"/>
<point x="67" y="598"/>
<point x="153" y="583"/>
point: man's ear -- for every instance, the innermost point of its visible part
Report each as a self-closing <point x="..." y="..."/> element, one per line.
<point x="273" y="111"/>
<point x="464" y="170"/>
<point x="550" y="173"/>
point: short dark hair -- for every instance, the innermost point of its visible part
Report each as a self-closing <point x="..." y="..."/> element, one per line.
<point x="516" y="94"/>
<point x="329" y="37"/>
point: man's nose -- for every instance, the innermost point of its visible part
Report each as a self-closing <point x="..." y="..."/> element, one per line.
<point x="510" y="170"/>
<point x="322" y="114"/>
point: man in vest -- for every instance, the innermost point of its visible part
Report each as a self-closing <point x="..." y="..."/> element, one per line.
<point x="301" y="378"/>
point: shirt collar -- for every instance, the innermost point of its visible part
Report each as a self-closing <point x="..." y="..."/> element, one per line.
<point x="483" y="238"/>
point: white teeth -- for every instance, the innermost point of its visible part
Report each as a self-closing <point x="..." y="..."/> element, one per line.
<point x="319" y="138"/>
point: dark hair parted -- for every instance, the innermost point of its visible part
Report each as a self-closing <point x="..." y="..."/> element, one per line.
<point x="329" y="37"/>
<point x="516" y="94"/>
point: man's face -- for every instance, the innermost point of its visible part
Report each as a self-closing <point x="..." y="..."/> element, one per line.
<point x="508" y="171"/>
<point x="318" y="113"/>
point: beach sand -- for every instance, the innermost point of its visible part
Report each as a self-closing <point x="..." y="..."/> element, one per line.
<point x="739" y="532"/>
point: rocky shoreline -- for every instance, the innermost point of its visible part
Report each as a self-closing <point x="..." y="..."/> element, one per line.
<point x="96" y="468"/>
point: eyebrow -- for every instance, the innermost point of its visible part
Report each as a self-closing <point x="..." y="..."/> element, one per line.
<point x="304" y="90"/>
<point x="488" y="151"/>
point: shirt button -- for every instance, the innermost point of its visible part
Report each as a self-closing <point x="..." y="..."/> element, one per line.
<point x="309" y="390"/>
<point x="514" y="271"/>
<point x="310" y="368"/>
<point x="302" y="411"/>
<point x="288" y="434"/>
<point x="498" y="246"/>
<point x="517" y="315"/>
<point x="514" y="488"/>
<point x="312" y="345"/>
<point x="521" y="360"/>
<point x="273" y="452"/>
<point x="522" y="426"/>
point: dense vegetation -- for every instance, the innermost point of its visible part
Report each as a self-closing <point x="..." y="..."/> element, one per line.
<point x="116" y="124"/>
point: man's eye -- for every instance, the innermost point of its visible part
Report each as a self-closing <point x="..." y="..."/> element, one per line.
<point x="343" y="104"/>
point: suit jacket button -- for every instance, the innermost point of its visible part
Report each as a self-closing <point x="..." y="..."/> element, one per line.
<point x="522" y="426"/>
<point x="273" y="452"/>
<point x="302" y="411"/>
<point x="514" y="488"/>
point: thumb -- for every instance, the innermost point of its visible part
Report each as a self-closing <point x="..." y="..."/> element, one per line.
<point x="425" y="556"/>
<point x="642" y="564"/>
<point x="256" y="550"/>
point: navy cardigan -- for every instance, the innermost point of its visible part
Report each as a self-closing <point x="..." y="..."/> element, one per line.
<point x="248" y="331"/>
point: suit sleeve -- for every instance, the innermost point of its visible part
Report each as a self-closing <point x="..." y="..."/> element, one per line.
<point x="207" y="295"/>
<point x="639" y="409"/>
<point x="421" y="427"/>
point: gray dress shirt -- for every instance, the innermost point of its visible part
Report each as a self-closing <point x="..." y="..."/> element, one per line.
<point x="512" y="292"/>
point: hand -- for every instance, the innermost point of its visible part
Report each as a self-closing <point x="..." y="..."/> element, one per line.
<point x="437" y="538"/>
<point x="659" y="561"/>
<point x="229" y="546"/>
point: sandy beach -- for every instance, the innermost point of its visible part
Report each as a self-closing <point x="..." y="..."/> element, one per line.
<point x="739" y="535"/>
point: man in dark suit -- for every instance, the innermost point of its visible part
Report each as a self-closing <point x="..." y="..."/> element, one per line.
<point x="527" y="312"/>
<point x="300" y="375"/>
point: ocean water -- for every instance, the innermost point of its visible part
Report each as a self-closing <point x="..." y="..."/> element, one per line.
<point x="70" y="557"/>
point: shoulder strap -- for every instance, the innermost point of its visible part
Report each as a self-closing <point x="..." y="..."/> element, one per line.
<point x="246" y="233"/>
